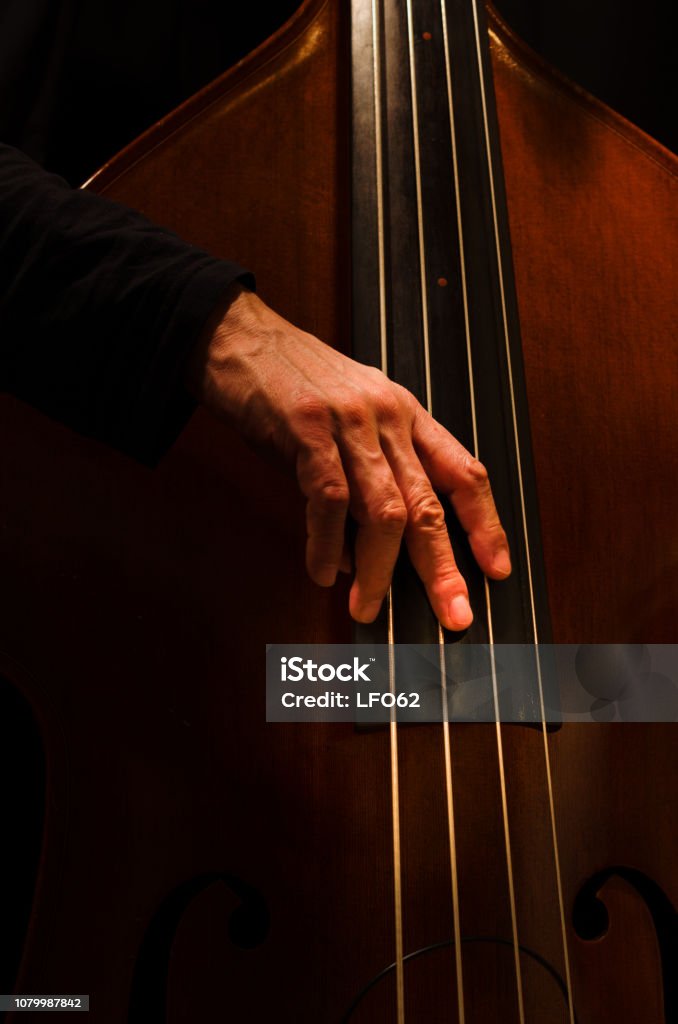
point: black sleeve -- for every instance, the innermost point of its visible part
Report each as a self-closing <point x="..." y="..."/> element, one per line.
<point x="99" y="309"/>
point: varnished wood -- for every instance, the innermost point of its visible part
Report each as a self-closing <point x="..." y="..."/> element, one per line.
<point x="593" y="206"/>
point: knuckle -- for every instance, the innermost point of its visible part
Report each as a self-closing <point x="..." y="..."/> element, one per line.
<point x="354" y="412"/>
<point x="331" y="496"/>
<point x="405" y="396"/>
<point x="476" y="472"/>
<point x="409" y="409"/>
<point x="389" y="410"/>
<point x="310" y="411"/>
<point x="391" y="515"/>
<point x="375" y="374"/>
<point x="426" y="513"/>
<point x="497" y="533"/>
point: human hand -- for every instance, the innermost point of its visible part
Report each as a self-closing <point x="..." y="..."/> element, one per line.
<point x="359" y="443"/>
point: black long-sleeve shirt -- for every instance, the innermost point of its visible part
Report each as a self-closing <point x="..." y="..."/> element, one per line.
<point x="99" y="309"/>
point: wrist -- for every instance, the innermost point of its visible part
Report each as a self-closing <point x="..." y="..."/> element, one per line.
<point x="226" y="321"/>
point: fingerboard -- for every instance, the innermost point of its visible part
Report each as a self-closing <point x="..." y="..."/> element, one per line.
<point x="433" y="292"/>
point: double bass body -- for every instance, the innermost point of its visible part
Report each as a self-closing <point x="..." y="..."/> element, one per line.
<point x="199" y="864"/>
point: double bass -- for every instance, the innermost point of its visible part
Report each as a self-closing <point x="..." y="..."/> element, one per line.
<point x="413" y="178"/>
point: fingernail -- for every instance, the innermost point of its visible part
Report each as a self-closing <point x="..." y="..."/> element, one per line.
<point x="460" y="612"/>
<point x="501" y="563"/>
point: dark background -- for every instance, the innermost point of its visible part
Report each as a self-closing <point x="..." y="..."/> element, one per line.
<point x="623" y="51"/>
<point x="127" y="64"/>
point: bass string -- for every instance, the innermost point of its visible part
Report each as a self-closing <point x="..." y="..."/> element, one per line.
<point x="395" y="815"/>
<point x="451" y="834"/>
<point x="383" y="340"/>
<point x="441" y="644"/>
<point x="476" y="446"/>
<point x="516" y="442"/>
<point x="393" y="725"/>
<point x="447" y="751"/>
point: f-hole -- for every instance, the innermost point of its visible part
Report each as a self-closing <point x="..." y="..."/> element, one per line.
<point x="248" y="926"/>
<point x="591" y="920"/>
